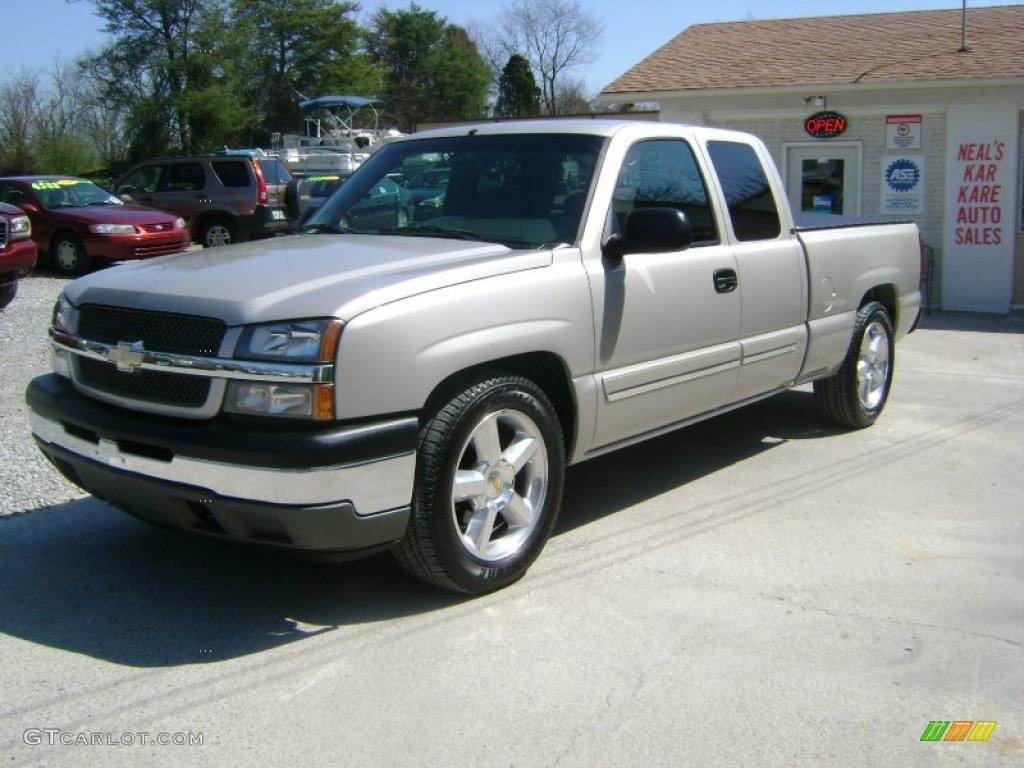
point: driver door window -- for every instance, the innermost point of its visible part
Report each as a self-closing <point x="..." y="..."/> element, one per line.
<point x="663" y="174"/>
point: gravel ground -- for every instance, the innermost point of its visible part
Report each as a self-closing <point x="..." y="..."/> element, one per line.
<point x="27" y="481"/>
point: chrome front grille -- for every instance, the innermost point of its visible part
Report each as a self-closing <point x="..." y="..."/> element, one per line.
<point x="174" y="389"/>
<point x="161" y="331"/>
<point x="3" y="232"/>
<point x="166" y="332"/>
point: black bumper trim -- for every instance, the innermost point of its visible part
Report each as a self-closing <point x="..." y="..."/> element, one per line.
<point x="323" y="529"/>
<point x="223" y="439"/>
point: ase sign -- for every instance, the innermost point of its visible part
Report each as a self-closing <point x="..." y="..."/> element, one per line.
<point x="825" y="125"/>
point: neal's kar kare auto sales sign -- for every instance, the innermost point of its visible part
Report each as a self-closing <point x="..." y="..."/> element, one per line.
<point x="980" y="191"/>
<point x="902" y="184"/>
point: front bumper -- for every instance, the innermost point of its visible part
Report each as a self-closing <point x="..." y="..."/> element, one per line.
<point x="335" y="489"/>
<point x="129" y="247"/>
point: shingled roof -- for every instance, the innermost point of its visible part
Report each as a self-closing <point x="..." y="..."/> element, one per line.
<point x="865" y="48"/>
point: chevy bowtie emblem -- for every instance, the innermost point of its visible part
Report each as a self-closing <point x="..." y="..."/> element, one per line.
<point x="128" y="355"/>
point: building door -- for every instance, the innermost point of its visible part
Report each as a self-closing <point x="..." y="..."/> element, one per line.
<point x="823" y="178"/>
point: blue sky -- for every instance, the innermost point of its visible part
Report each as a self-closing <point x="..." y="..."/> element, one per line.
<point x="37" y="31"/>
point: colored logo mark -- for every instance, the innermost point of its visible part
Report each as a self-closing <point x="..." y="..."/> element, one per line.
<point x="902" y="175"/>
<point x="958" y="730"/>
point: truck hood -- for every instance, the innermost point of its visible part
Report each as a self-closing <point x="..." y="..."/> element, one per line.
<point x="298" y="276"/>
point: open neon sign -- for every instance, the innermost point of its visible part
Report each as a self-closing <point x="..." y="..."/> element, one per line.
<point x="825" y="125"/>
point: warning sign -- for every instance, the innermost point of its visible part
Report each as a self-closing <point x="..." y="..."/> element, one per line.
<point x="903" y="131"/>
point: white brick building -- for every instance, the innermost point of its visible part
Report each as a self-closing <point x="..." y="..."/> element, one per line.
<point x="931" y="132"/>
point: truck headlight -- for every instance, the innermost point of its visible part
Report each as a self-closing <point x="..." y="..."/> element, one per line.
<point x="296" y="341"/>
<point x="61" y="322"/>
<point x="286" y="341"/>
<point x="21" y="227"/>
<point x="62" y="310"/>
<point x="112" y="229"/>
<point x="179" y="223"/>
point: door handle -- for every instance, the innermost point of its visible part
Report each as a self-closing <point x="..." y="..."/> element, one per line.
<point x="725" y="280"/>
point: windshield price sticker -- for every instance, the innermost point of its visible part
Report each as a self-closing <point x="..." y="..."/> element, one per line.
<point x="58" y="184"/>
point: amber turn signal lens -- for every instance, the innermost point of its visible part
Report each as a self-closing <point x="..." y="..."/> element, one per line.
<point x="323" y="402"/>
<point x="329" y="342"/>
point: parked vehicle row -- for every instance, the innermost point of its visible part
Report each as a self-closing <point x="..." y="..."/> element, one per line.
<point x="158" y="206"/>
<point x="77" y="224"/>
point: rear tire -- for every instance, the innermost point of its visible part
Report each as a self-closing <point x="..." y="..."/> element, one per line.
<point x="291" y="200"/>
<point x="489" y="477"/>
<point x="68" y="254"/>
<point x="216" y="232"/>
<point x="857" y="393"/>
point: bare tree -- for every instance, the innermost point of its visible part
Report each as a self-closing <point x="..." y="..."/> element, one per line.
<point x="491" y="48"/>
<point x="19" y="107"/>
<point x="554" y="35"/>
<point x="571" y="97"/>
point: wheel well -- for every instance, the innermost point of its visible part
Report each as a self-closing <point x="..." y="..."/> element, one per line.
<point x="545" y="369"/>
<point x="200" y="222"/>
<point x="886" y="295"/>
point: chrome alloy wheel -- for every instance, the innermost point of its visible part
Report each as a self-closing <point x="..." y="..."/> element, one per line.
<point x="67" y="256"/>
<point x="218" y="235"/>
<point x="873" y="365"/>
<point x="499" y="485"/>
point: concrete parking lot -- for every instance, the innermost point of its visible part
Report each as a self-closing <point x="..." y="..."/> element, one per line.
<point x="756" y="590"/>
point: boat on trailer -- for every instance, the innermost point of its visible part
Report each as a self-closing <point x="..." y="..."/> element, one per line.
<point x="341" y="133"/>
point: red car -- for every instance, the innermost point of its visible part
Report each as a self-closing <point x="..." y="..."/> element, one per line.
<point x="17" y="251"/>
<point x="77" y="224"/>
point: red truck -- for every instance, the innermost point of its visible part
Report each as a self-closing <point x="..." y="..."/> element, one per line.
<point x="17" y="251"/>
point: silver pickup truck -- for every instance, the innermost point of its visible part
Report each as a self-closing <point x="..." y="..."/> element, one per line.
<point x="415" y="372"/>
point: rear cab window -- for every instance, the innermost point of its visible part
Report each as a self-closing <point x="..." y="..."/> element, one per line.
<point x="748" y="195"/>
<point x="663" y="173"/>
<point x="232" y="173"/>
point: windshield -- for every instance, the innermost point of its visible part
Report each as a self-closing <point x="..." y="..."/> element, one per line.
<point x="72" y="193"/>
<point x="525" y="191"/>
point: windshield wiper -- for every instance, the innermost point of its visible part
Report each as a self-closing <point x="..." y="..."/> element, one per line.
<point x="431" y="230"/>
<point x="332" y="229"/>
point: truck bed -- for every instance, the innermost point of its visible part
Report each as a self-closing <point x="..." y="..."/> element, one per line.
<point x="806" y="222"/>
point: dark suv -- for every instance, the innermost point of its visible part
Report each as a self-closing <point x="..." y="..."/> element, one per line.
<point x="224" y="198"/>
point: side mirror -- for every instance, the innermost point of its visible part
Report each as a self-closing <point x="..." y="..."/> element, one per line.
<point x="651" y="230"/>
<point x="29" y="207"/>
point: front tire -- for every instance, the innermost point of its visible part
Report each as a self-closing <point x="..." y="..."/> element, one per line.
<point x="68" y="254"/>
<point x="7" y="293"/>
<point x="857" y="393"/>
<point x="489" y="478"/>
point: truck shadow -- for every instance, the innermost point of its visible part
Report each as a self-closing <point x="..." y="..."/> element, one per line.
<point x="621" y="479"/>
<point x="84" y="577"/>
